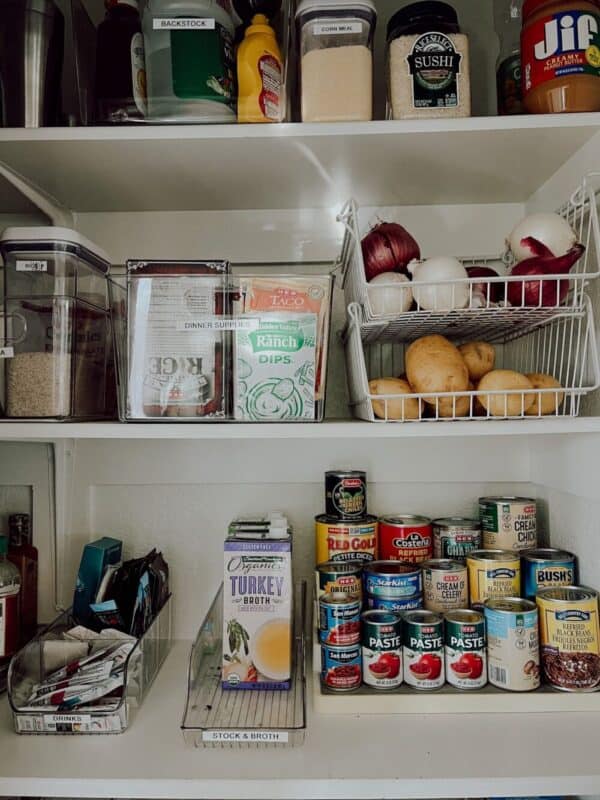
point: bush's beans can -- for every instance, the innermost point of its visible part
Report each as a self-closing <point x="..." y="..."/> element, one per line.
<point x="346" y="541"/>
<point x="346" y="494"/>
<point x="341" y="667"/>
<point x="445" y="585"/>
<point x="455" y="537"/>
<point x="423" y="649"/>
<point x="339" y="576"/>
<point x="405" y="537"/>
<point x="466" y="662"/>
<point x="339" y="619"/>
<point x="570" y="637"/>
<point x="493" y="573"/>
<point x="513" y="645"/>
<point x="545" y="568"/>
<point x="382" y="649"/>
<point x="508" y="523"/>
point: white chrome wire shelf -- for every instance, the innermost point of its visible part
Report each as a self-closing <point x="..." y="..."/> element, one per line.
<point x="480" y="317"/>
<point x="564" y="347"/>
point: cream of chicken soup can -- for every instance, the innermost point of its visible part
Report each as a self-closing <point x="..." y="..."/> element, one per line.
<point x="508" y="523"/>
<point x="513" y="643"/>
<point x="445" y="585"/>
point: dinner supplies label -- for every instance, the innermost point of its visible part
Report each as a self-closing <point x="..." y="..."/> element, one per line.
<point x="217" y="324"/>
<point x="266" y="737"/>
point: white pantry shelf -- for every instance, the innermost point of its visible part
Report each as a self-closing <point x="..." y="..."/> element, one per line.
<point x="360" y="757"/>
<point x="11" y="431"/>
<point x="289" y="166"/>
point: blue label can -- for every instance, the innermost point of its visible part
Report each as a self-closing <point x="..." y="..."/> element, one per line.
<point x="341" y="667"/>
<point x="397" y="580"/>
<point x="339" y="619"/>
<point x="546" y="568"/>
<point x="395" y="604"/>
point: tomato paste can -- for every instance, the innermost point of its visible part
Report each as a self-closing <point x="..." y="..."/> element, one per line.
<point x="544" y="568"/>
<point x="508" y="523"/>
<point x="339" y="619"/>
<point x="513" y="644"/>
<point x="346" y="494"/>
<point x="445" y="585"/>
<point x="493" y="573"/>
<point x="466" y="660"/>
<point x="405" y="537"/>
<point x="455" y="537"/>
<point x="381" y="649"/>
<point x="423" y="649"/>
<point x="570" y="637"/>
<point x="346" y="541"/>
<point x="341" y="667"/>
<point x="339" y="576"/>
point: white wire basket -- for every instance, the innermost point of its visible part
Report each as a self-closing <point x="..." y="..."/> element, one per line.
<point x="565" y="348"/>
<point x="490" y="319"/>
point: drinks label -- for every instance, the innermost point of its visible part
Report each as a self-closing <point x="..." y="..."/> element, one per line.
<point x="183" y="24"/>
<point x="337" y="28"/>
<point x="32" y="266"/>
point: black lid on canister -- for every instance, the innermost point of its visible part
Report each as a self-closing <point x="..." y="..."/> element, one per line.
<point x="421" y="17"/>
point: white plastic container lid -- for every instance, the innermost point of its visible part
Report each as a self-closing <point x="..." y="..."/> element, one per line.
<point x="47" y="235"/>
<point x="336" y="5"/>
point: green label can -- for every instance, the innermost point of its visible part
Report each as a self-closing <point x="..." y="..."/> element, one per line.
<point x="423" y="649"/>
<point x="466" y="659"/>
<point x="508" y="523"/>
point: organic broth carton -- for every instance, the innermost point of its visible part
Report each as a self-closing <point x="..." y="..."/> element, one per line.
<point x="257" y="605"/>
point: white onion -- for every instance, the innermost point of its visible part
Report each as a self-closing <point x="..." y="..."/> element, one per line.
<point x="440" y="296"/>
<point x="390" y="293"/>
<point x="550" y="229"/>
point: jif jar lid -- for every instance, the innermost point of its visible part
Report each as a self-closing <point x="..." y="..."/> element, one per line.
<point x="423" y="17"/>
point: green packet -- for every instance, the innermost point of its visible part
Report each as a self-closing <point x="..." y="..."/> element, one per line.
<point x="274" y="367"/>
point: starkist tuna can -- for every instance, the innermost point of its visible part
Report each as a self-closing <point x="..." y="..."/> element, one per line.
<point x="544" y="568"/>
<point x="405" y="537"/>
<point x="346" y="541"/>
<point x="393" y="580"/>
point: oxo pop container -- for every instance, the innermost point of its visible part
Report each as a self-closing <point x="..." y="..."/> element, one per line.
<point x="336" y="60"/>
<point x="56" y="340"/>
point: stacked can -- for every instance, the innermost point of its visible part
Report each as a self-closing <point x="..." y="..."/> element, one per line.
<point x="393" y="586"/>
<point x="346" y="532"/>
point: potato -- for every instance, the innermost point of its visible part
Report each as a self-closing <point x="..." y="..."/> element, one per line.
<point x="410" y="408"/>
<point x="479" y="357"/>
<point x="452" y="407"/>
<point x="433" y="364"/>
<point x="545" y="403"/>
<point x="501" y="404"/>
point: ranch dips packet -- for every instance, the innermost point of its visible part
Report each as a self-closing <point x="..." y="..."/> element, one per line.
<point x="274" y="372"/>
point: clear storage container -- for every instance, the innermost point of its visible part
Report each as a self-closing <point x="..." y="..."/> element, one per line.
<point x="51" y="650"/>
<point x="56" y="344"/>
<point x="336" y="60"/>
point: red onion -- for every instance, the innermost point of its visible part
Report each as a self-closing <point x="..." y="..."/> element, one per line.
<point x="493" y="292"/>
<point x="543" y="293"/>
<point x="388" y="247"/>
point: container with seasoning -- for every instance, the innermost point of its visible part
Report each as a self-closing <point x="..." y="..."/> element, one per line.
<point x="339" y="576"/>
<point x="423" y="650"/>
<point x="570" y="637"/>
<point x="339" y="619"/>
<point x="336" y="59"/>
<point x="428" y="63"/>
<point x="56" y="340"/>
<point x="546" y="568"/>
<point x="493" y="573"/>
<point x="345" y="541"/>
<point x="454" y="537"/>
<point x="341" y="667"/>
<point x="405" y="537"/>
<point x="508" y="523"/>
<point x="508" y="65"/>
<point x="445" y="585"/>
<point x="560" y="55"/>
<point x="466" y="655"/>
<point x="346" y="493"/>
<point x="382" y="649"/>
<point x="513" y="643"/>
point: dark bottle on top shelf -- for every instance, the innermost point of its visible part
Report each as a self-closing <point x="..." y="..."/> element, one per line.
<point x="120" y="64"/>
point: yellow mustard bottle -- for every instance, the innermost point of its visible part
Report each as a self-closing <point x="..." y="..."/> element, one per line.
<point x="259" y="73"/>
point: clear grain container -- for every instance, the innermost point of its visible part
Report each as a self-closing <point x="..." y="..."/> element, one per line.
<point x="336" y="60"/>
<point x="56" y="344"/>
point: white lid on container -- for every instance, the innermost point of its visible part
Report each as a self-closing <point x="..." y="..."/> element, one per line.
<point x="48" y="234"/>
<point x="335" y="5"/>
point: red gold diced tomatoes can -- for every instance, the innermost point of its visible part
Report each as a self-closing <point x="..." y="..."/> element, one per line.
<point x="346" y="541"/>
<point x="405" y="537"/>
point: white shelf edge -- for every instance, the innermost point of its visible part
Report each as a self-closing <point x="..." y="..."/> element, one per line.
<point x="11" y="431"/>
<point x="298" y="130"/>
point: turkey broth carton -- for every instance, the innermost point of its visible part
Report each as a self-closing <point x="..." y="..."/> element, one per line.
<point x="257" y="605"/>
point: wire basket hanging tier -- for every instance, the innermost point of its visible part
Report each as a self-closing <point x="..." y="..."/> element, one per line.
<point x="489" y="308"/>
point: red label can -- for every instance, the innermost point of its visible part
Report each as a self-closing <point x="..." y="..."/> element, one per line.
<point x="405" y="537"/>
